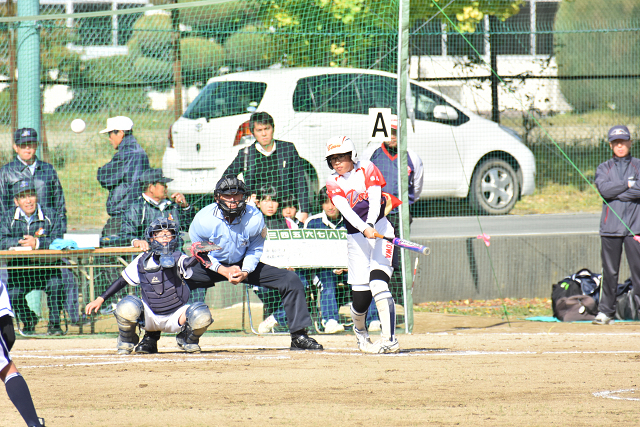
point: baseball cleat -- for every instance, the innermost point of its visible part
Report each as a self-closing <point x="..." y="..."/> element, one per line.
<point x="305" y="342"/>
<point x="149" y="343"/>
<point x="363" y="340"/>
<point x="384" y="346"/>
<point x="181" y="339"/>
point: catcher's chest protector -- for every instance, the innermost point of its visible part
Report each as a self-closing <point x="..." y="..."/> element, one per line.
<point x="163" y="290"/>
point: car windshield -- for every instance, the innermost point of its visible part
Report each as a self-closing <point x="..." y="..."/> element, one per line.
<point x="221" y="99"/>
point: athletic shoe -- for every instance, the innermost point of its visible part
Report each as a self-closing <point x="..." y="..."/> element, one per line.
<point x="375" y="326"/>
<point x="603" y="319"/>
<point x="181" y="339"/>
<point x="54" y="329"/>
<point x="332" y="326"/>
<point x="385" y="346"/>
<point x="305" y="342"/>
<point x="149" y="343"/>
<point x="40" y="423"/>
<point x="364" y="342"/>
<point x="267" y="325"/>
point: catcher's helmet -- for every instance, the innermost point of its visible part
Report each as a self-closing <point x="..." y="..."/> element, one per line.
<point x="158" y="248"/>
<point x="340" y="145"/>
<point x="230" y="184"/>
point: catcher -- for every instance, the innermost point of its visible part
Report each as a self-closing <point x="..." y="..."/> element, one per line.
<point x="160" y="273"/>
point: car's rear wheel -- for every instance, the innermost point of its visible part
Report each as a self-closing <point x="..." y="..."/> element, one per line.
<point x="494" y="188"/>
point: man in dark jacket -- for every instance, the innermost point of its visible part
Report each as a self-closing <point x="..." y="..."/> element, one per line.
<point x="620" y="221"/>
<point x="31" y="225"/>
<point x="27" y="166"/>
<point x="152" y="204"/>
<point x="121" y="175"/>
<point x="271" y="162"/>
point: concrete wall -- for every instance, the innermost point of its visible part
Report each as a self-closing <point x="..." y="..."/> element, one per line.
<point x="524" y="266"/>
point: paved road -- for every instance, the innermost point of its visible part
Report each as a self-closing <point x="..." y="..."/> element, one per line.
<point x="505" y="225"/>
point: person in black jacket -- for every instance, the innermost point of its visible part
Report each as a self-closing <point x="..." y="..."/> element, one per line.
<point x="271" y="162"/>
<point x="31" y="225"/>
<point x="120" y="176"/>
<point x="153" y="203"/>
<point x="27" y="166"/>
<point x="620" y="221"/>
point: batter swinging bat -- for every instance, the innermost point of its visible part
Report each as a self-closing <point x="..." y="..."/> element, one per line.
<point x="405" y="244"/>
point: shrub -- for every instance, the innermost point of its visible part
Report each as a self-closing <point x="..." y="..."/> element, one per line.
<point x="200" y="58"/>
<point x="250" y="48"/>
<point x="598" y="53"/>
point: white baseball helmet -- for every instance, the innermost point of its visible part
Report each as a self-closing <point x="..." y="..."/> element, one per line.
<point x="340" y="145"/>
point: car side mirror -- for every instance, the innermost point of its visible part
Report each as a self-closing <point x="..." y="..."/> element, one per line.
<point x="445" y="112"/>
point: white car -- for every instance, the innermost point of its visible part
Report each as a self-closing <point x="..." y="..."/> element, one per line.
<point x="459" y="149"/>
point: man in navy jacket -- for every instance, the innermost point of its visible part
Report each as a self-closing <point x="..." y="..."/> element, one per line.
<point x="121" y="175"/>
<point x="31" y="225"/>
<point x="27" y="166"/>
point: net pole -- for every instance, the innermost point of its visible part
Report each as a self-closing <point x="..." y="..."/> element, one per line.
<point x="29" y="67"/>
<point x="177" y="63"/>
<point x="403" y="179"/>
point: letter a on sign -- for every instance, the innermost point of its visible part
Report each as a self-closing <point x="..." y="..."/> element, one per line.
<point x="379" y="124"/>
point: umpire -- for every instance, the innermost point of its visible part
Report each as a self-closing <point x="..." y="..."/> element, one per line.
<point x="238" y="228"/>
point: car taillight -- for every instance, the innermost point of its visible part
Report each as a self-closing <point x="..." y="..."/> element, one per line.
<point x="243" y="132"/>
<point x="170" y="138"/>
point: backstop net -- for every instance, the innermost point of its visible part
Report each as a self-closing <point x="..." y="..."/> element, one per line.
<point x="508" y="108"/>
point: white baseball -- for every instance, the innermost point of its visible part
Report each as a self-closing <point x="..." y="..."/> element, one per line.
<point x="78" y="125"/>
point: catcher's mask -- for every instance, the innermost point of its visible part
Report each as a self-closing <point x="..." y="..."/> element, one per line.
<point x="231" y="185"/>
<point x="163" y="251"/>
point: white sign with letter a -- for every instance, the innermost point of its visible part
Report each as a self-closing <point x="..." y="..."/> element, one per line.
<point x="379" y="124"/>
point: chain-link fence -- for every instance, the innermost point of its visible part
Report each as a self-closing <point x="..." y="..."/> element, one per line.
<point x="555" y="75"/>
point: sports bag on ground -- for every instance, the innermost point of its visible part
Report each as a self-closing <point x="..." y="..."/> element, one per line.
<point x="582" y="283"/>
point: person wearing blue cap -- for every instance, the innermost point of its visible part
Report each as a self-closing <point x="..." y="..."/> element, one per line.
<point x="29" y="225"/>
<point x="27" y="166"/>
<point x="620" y="220"/>
<point x="154" y="202"/>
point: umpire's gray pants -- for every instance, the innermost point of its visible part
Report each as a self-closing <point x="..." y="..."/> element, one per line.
<point x="611" y="255"/>
<point x="284" y="281"/>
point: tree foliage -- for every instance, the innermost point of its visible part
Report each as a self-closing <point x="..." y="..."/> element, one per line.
<point x="360" y="33"/>
<point x="599" y="53"/>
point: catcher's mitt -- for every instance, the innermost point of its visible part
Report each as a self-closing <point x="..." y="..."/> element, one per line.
<point x="199" y="251"/>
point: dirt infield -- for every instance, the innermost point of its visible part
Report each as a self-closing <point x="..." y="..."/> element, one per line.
<point x="454" y="370"/>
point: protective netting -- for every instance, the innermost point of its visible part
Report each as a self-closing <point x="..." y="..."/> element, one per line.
<point x="190" y="74"/>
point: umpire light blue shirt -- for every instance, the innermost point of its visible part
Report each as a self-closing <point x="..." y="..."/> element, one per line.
<point x="242" y="240"/>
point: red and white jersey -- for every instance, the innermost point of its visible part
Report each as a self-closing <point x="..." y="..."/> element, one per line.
<point x="355" y="187"/>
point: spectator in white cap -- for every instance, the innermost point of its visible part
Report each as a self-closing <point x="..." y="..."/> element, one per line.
<point x="120" y="176"/>
<point x="616" y="180"/>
